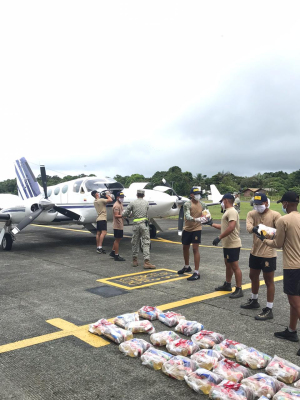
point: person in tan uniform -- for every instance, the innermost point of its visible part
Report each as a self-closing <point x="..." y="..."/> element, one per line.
<point x="230" y="228"/>
<point x="118" y="226"/>
<point x="262" y="257"/>
<point x="101" y="199"/>
<point x="191" y="233"/>
<point x="288" y="238"/>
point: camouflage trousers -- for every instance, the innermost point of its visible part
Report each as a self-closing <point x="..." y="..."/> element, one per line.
<point x="141" y="231"/>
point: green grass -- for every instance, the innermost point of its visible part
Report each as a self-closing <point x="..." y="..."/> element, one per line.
<point x="245" y="208"/>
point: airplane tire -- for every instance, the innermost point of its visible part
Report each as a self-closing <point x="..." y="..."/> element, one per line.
<point x="152" y="229"/>
<point x="7" y="242"/>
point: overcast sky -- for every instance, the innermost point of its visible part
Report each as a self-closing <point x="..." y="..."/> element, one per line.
<point x="123" y="87"/>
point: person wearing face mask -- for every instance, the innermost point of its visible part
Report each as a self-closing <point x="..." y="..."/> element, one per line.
<point x="191" y="233"/>
<point x="118" y="226"/>
<point x="230" y="228"/>
<point x="288" y="238"/>
<point x="262" y="257"/>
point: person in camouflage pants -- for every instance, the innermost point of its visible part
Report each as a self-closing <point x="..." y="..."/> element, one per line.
<point x="138" y="209"/>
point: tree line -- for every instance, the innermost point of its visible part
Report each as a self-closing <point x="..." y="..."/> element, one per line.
<point x="276" y="183"/>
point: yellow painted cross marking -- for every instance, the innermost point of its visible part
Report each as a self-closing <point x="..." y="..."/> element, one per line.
<point x="139" y="280"/>
<point x="81" y="332"/>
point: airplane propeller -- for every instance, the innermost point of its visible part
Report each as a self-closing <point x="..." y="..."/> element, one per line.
<point x="45" y="205"/>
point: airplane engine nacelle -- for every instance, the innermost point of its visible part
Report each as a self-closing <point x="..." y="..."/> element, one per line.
<point x="45" y="217"/>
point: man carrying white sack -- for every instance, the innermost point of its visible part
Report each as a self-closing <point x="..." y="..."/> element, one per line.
<point x="262" y="257"/>
<point x="288" y="237"/>
<point x="191" y="233"/>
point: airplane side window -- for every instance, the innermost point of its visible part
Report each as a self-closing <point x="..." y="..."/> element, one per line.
<point x="76" y="186"/>
<point x="65" y="189"/>
<point x="49" y="192"/>
<point x="56" y="190"/>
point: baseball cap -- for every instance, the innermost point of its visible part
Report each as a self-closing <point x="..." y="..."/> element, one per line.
<point x="140" y="191"/>
<point x="195" y="190"/>
<point x="120" y="194"/>
<point x="94" y="192"/>
<point x="259" y="198"/>
<point x="291" y="196"/>
<point x="227" y="196"/>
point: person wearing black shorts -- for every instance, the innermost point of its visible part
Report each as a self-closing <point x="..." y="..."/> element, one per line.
<point x="191" y="234"/>
<point x="262" y="257"/>
<point x="287" y="238"/>
<point x="101" y="199"/>
<point x="230" y="228"/>
<point x="118" y="226"/>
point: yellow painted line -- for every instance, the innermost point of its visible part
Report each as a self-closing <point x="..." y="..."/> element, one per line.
<point x="81" y="332"/>
<point x="69" y="229"/>
<point x="108" y="280"/>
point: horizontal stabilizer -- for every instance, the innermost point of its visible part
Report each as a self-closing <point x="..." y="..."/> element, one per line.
<point x="161" y="188"/>
<point x="138" y="185"/>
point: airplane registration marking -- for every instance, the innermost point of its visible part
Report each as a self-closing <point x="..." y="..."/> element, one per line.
<point x="139" y="280"/>
<point x="81" y="332"/>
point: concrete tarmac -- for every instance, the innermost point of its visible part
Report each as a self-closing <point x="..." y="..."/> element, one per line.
<point x="50" y="292"/>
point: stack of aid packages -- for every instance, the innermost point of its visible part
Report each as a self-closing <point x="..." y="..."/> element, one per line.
<point x="217" y="366"/>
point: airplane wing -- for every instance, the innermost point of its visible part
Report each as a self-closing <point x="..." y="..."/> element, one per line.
<point x="138" y="185"/>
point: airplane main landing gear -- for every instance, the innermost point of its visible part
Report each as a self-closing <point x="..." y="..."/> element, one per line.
<point x="152" y="229"/>
<point x="7" y="242"/>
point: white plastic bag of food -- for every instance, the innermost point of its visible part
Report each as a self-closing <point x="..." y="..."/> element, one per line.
<point x="140" y="327"/>
<point x="263" y="385"/>
<point x="207" y="358"/>
<point x="229" y="348"/>
<point x="205" y="217"/>
<point x="283" y="370"/>
<point x="148" y="312"/>
<point x="267" y="231"/>
<point x="170" y="318"/>
<point x="162" y="338"/>
<point x="207" y="339"/>
<point x="122" y="320"/>
<point x="231" y="370"/>
<point x="253" y="358"/>
<point x="287" y="393"/>
<point x="228" y="390"/>
<point x="178" y="367"/>
<point x="202" y="380"/>
<point x="134" y="347"/>
<point x="154" y="358"/>
<point x="98" y="327"/>
<point x="182" y="347"/>
<point x="188" y="328"/>
<point x="116" y="334"/>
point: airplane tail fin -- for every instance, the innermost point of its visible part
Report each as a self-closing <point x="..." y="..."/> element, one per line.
<point x="215" y="194"/>
<point x="28" y="186"/>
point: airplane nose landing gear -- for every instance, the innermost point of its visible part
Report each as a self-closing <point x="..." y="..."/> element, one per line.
<point x="7" y="242"/>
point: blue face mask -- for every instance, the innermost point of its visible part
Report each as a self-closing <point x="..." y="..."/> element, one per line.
<point x="284" y="210"/>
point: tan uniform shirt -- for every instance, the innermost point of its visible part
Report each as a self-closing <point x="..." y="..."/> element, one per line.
<point x="288" y="237"/>
<point x="233" y="239"/>
<point x="118" y="222"/>
<point x="100" y="205"/>
<point x="254" y="218"/>
<point x="192" y="211"/>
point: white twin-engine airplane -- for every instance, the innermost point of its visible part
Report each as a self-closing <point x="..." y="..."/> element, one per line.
<point x="72" y="202"/>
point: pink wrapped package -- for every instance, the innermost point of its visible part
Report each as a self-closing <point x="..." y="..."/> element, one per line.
<point x="283" y="370"/>
<point x="228" y="390"/>
<point x="140" y="327"/>
<point x="231" y="370"/>
<point x="202" y="380"/>
<point x="134" y="347"/>
<point x="183" y="347"/>
<point x="122" y="320"/>
<point x="178" y="367"/>
<point x="162" y="338"/>
<point x="263" y="385"/>
<point x="148" y="312"/>
<point x="111" y="331"/>
<point x="229" y="348"/>
<point x="154" y="358"/>
<point x="207" y="358"/>
<point x="188" y="328"/>
<point x="170" y="318"/>
<point x="253" y="358"/>
<point x="207" y="339"/>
